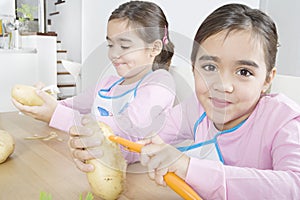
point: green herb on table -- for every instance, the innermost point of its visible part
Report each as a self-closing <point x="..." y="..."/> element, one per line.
<point x="45" y="196"/>
<point x="89" y="196"/>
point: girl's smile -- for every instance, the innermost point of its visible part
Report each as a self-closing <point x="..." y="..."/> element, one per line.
<point x="220" y="103"/>
<point x="118" y="64"/>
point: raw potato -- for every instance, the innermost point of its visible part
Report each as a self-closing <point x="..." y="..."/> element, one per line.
<point x="108" y="178"/>
<point x="7" y="145"/>
<point x="26" y="95"/>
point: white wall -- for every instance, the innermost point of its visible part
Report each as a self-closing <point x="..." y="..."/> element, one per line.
<point x="7" y="7"/>
<point x="184" y="18"/>
<point x="68" y="27"/>
<point x="286" y="15"/>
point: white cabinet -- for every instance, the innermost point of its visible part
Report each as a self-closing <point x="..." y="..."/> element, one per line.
<point x="16" y="67"/>
<point x="36" y="62"/>
<point x="46" y="56"/>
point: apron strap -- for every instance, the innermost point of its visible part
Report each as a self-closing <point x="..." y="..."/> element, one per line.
<point x="211" y="141"/>
<point x="197" y="124"/>
<point x="121" y="95"/>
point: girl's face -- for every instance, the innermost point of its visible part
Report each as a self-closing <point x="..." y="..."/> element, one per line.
<point x="230" y="76"/>
<point x="129" y="54"/>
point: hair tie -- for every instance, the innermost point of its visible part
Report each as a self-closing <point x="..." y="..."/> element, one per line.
<point x="165" y="38"/>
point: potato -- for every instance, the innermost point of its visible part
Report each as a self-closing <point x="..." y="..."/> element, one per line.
<point x="26" y="95"/>
<point x="108" y="178"/>
<point x="7" y="145"/>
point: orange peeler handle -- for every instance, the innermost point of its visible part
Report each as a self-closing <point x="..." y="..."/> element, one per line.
<point x="171" y="179"/>
<point x="131" y="146"/>
<point x="180" y="187"/>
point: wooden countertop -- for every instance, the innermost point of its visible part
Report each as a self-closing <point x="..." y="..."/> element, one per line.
<point x="38" y="165"/>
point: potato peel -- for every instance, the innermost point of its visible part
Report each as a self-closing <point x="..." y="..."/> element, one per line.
<point x="52" y="135"/>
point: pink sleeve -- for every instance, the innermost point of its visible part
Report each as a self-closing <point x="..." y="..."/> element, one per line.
<point x="72" y="108"/>
<point x="213" y="180"/>
<point x="64" y="117"/>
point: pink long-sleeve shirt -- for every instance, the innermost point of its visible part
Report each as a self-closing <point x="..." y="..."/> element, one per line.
<point x="262" y="157"/>
<point x="155" y="95"/>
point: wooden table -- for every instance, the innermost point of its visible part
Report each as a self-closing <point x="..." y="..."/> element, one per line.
<point x="38" y="165"/>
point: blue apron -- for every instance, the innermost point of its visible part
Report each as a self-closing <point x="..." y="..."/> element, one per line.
<point x="105" y="105"/>
<point x="208" y="149"/>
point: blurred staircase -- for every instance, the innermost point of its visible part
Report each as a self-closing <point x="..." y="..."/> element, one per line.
<point x="65" y="81"/>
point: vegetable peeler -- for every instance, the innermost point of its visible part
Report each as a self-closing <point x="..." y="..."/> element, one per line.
<point x="172" y="180"/>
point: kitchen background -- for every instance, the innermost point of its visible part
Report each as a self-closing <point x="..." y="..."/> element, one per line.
<point x="81" y="27"/>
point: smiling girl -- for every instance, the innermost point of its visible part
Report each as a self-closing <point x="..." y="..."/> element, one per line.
<point x="245" y="144"/>
<point x="140" y="51"/>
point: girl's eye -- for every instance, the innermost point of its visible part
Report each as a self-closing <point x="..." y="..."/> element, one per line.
<point x="109" y="45"/>
<point x="245" y="72"/>
<point x="125" y="47"/>
<point x="211" y="68"/>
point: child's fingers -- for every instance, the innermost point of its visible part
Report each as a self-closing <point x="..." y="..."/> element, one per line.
<point x="144" y="159"/>
<point x="20" y="106"/>
<point x="151" y="149"/>
<point x="148" y="155"/>
<point x="154" y="163"/>
<point x="86" y="119"/>
<point x="82" y="155"/>
<point x="45" y="96"/>
<point x="153" y="140"/>
<point x="27" y="110"/>
<point x="147" y="150"/>
<point x="93" y="125"/>
<point x="84" y="142"/>
<point x="80" y="131"/>
<point x="16" y="103"/>
<point x="151" y="175"/>
<point x="144" y="142"/>
<point x="39" y="85"/>
<point x="155" y="169"/>
<point x="152" y="158"/>
<point x="159" y="176"/>
<point x="156" y="140"/>
<point x="83" y="166"/>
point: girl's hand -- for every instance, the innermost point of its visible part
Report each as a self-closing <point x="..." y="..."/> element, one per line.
<point x="43" y="112"/>
<point x="161" y="158"/>
<point x="85" y="142"/>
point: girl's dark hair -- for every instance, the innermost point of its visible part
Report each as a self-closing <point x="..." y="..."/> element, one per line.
<point x="234" y="17"/>
<point x="151" y="24"/>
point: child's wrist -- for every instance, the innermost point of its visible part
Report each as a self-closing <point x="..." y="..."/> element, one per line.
<point x="184" y="162"/>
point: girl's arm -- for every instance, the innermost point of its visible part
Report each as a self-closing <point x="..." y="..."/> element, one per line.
<point x="213" y="180"/>
<point x="69" y="111"/>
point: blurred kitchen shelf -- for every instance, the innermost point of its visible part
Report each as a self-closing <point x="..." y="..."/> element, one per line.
<point x="23" y="50"/>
